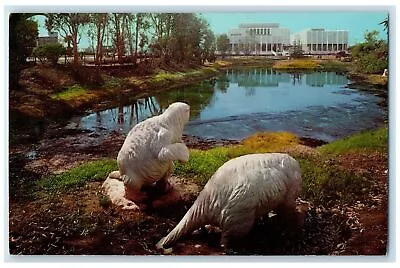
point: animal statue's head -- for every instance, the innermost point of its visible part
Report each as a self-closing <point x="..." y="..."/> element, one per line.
<point x="177" y="115"/>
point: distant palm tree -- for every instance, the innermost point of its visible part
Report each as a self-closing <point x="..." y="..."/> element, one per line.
<point x="385" y="24"/>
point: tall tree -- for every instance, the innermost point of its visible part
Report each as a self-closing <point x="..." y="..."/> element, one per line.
<point x="69" y="24"/>
<point x="142" y="25"/>
<point x="118" y="22"/>
<point x="23" y="33"/>
<point x="99" y="22"/>
<point x="385" y="24"/>
<point x="209" y="45"/>
<point x="371" y="56"/>
<point x="162" y="25"/>
<point x="223" y="43"/>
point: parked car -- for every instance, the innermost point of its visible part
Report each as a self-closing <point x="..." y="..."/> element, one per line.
<point x="342" y="54"/>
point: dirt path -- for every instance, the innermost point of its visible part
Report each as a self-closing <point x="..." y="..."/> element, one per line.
<point x="79" y="221"/>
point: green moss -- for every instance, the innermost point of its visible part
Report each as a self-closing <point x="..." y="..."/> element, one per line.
<point x="91" y="171"/>
<point x="368" y="140"/>
<point x="70" y="93"/>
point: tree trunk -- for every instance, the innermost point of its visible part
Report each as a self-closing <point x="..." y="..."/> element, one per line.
<point x="75" y="47"/>
<point x="137" y="34"/>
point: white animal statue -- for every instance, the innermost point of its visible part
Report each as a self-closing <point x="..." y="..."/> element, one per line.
<point x="239" y="191"/>
<point x="147" y="155"/>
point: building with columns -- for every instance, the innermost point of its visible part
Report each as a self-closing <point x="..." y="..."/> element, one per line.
<point x="259" y="39"/>
<point x="321" y="41"/>
<point x="271" y="39"/>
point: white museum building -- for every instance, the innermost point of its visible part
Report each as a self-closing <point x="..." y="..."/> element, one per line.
<point x="271" y="39"/>
<point x="259" y="39"/>
<point x="321" y="41"/>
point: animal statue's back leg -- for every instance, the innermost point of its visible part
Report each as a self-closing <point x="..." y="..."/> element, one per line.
<point x="235" y="226"/>
<point x="287" y="211"/>
<point x="133" y="186"/>
<point x="163" y="184"/>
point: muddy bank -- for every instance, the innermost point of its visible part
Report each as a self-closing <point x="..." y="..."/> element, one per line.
<point x="374" y="84"/>
<point x="36" y="101"/>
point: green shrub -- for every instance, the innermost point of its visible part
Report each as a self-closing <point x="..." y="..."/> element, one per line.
<point x="49" y="52"/>
<point x="372" y="64"/>
<point x="371" y="56"/>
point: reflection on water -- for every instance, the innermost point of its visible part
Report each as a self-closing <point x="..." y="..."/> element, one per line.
<point x="272" y="78"/>
<point x="241" y="102"/>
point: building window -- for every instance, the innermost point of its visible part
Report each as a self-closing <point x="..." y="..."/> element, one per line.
<point x="264" y="47"/>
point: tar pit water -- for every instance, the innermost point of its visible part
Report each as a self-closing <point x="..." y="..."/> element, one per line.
<point x="239" y="103"/>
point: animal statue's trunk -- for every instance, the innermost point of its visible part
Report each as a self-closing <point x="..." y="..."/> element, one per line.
<point x="193" y="219"/>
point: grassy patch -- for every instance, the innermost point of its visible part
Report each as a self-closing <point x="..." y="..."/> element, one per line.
<point x="334" y="65"/>
<point x="368" y="140"/>
<point x="377" y="79"/>
<point x="166" y="76"/>
<point x="91" y="171"/>
<point x="163" y="76"/>
<point x="324" y="182"/>
<point x="112" y="82"/>
<point x="303" y="64"/>
<point x="244" y="61"/>
<point x="70" y="93"/>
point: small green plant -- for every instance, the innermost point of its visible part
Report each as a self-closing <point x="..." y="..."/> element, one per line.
<point x="91" y="171"/>
<point x="104" y="201"/>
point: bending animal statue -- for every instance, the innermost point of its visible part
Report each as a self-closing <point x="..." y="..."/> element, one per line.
<point x="239" y="191"/>
<point x="146" y="157"/>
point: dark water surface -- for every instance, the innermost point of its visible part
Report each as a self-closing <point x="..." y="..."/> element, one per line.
<point x="241" y="102"/>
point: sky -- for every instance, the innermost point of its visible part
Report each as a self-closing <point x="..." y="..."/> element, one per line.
<point x="357" y="23"/>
